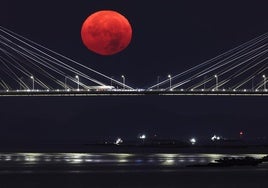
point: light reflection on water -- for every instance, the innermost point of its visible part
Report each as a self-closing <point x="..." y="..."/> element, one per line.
<point x="113" y="159"/>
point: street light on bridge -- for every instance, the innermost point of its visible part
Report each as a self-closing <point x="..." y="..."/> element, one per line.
<point x="77" y="77"/>
<point x="264" y="82"/>
<point x="217" y="81"/>
<point x="169" y="76"/>
<point x="124" y="81"/>
<point x="32" y="77"/>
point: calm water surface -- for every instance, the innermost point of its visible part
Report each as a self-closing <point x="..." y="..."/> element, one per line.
<point x="98" y="170"/>
<point x="88" y="161"/>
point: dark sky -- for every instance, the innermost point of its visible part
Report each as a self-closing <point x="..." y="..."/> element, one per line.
<point x="168" y="37"/>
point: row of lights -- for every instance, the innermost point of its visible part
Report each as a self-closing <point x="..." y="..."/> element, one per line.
<point x="169" y="76"/>
<point x="192" y="140"/>
<point x="77" y="77"/>
<point x="214" y="138"/>
<point x="217" y="81"/>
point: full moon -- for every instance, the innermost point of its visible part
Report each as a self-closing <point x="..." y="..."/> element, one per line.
<point x="106" y="32"/>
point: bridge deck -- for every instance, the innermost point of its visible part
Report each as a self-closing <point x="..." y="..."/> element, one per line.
<point x="130" y="93"/>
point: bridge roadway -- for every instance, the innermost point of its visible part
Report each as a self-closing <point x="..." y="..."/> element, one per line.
<point x="138" y="92"/>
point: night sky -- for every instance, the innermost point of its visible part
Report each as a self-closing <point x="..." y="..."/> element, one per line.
<point x="168" y="38"/>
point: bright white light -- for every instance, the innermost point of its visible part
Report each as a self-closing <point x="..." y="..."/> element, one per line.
<point x="8" y="158"/>
<point x="77" y="76"/>
<point x="30" y="158"/>
<point x="123" y="160"/>
<point x="118" y="141"/>
<point x="193" y="141"/>
<point x="170" y="161"/>
<point x="215" y="137"/>
<point x="77" y="161"/>
<point x="142" y="137"/>
<point x="169" y="76"/>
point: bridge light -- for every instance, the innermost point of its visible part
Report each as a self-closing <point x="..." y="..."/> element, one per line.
<point x="169" y="76"/>
<point x="124" y="81"/>
<point x="217" y="80"/>
<point x="32" y="77"/>
<point x="77" y="77"/>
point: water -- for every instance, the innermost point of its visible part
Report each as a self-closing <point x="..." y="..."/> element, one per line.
<point x="110" y="159"/>
<point x="125" y="170"/>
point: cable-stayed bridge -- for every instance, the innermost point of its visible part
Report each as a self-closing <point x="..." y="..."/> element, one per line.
<point x="27" y="67"/>
<point x="30" y="69"/>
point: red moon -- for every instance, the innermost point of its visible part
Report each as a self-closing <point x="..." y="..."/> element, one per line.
<point x="106" y="32"/>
